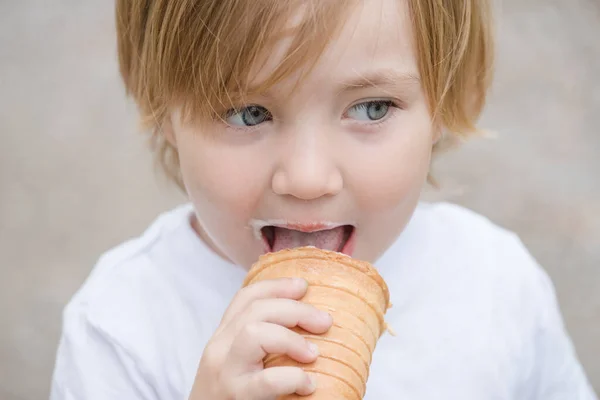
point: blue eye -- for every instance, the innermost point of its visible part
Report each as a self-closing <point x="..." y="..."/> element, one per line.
<point x="370" y="110"/>
<point x="248" y="116"/>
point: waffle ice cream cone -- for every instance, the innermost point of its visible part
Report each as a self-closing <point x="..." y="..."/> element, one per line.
<point x="357" y="298"/>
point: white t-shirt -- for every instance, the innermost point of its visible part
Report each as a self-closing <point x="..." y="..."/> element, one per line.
<point x="475" y="316"/>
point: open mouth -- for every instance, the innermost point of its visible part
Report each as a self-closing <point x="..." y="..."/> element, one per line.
<point x="335" y="239"/>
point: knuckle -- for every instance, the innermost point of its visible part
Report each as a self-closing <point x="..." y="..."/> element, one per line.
<point x="302" y="310"/>
<point x="212" y="360"/>
<point x="314" y="312"/>
<point x="254" y="307"/>
<point x="242" y="295"/>
<point x="251" y="331"/>
<point x="287" y="306"/>
<point x="215" y="375"/>
<point x="214" y="355"/>
<point x="269" y="382"/>
<point x="296" y="338"/>
<point x="245" y="290"/>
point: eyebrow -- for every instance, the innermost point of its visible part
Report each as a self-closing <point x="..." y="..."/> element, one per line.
<point x="389" y="79"/>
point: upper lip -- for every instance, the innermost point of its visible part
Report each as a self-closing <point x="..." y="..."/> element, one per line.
<point x="313" y="226"/>
<point x="309" y="226"/>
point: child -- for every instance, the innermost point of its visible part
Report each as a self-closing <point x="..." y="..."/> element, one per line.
<point x="310" y="122"/>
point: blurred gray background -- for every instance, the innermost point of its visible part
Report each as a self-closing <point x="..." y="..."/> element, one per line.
<point x="76" y="177"/>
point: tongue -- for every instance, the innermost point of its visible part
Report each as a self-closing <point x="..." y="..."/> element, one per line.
<point x="330" y="239"/>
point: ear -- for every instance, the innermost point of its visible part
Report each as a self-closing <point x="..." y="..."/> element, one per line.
<point x="168" y="130"/>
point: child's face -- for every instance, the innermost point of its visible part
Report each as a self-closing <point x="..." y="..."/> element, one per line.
<point x="346" y="154"/>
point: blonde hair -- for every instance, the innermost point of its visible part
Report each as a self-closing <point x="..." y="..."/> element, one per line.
<point x="200" y="54"/>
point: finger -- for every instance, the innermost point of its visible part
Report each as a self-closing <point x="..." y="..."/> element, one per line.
<point x="255" y="341"/>
<point x="288" y="313"/>
<point x="289" y="288"/>
<point x="278" y="381"/>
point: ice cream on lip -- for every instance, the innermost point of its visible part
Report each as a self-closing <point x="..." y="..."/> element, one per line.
<point x="278" y="235"/>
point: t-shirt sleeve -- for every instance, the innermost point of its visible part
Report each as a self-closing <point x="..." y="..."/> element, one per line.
<point x="560" y="376"/>
<point x="92" y="365"/>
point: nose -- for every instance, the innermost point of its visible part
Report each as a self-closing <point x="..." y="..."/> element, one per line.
<point x="307" y="170"/>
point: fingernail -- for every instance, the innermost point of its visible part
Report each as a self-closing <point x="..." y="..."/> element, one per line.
<point x="313" y="348"/>
<point x="312" y="383"/>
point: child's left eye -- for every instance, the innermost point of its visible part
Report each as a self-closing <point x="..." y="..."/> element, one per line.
<point x="248" y="116"/>
<point x="370" y="110"/>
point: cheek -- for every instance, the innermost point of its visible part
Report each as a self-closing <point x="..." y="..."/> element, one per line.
<point x="217" y="179"/>
<point x="394" y="171"/>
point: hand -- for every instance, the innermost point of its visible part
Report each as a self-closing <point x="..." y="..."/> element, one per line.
<point x="258" y="323"/>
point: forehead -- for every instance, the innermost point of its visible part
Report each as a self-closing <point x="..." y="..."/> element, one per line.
<point x="375" y="37"/>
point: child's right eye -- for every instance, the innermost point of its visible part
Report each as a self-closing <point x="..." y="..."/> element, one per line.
<point x="248" y="116"/>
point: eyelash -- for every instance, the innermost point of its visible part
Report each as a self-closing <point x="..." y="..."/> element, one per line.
<point x="373" y="124"/>
<point x="395" y="104"/>
<point x="235" y="110"/>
